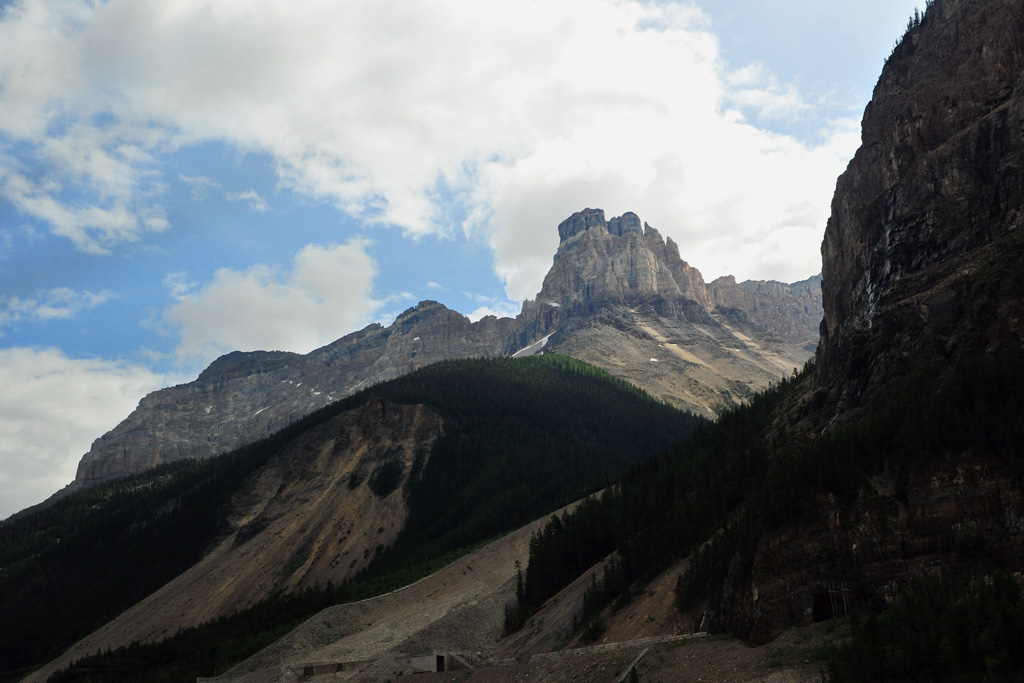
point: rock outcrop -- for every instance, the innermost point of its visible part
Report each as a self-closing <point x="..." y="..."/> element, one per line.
<point x="791" y="311"/>
<point x="619" y="261"/>
<point x="618" y="296"/>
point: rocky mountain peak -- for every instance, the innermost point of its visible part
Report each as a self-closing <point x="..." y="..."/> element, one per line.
<point x="581" y="221"/>
<point x="620" y="260"/>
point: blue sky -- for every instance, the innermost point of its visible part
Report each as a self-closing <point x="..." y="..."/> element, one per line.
<point x="181" y="178"/>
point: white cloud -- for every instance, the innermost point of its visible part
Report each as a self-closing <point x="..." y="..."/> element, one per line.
<point x="497" y="309"/>
<point x="51" y="409"/>
<point x="326" y="293"/>
<point x="754" y="88"/>
<point x="520" y="112"/>
<point x="91" y="227"/>
<point x="60" y="302"/>
<point x="250" y="197"/>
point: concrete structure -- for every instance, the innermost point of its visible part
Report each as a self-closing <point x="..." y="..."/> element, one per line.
<point x="307" y="669"/>
<point x="436" y="661"/>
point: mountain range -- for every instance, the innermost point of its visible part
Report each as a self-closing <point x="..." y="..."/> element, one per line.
<point x="882" y="477"/>
<point x="618" y="296"/>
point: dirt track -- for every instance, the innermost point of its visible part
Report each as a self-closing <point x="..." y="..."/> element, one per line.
<point x="713" y="660"/>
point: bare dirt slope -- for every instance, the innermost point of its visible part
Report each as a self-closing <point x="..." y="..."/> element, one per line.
<point x="553" y="625"/>
<point x="460" y="608"/>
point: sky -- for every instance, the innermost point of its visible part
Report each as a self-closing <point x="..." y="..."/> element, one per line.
<point x="184" y="178"/>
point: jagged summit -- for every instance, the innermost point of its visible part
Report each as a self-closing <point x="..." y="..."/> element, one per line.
<point x="586" y="219"/>
<point x="620" y="260"/>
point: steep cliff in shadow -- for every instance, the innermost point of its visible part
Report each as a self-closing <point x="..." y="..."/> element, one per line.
<point x="914" y="407"/>
<point x="921" y="256"/>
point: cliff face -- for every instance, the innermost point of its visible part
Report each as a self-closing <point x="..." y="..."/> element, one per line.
<point x="600" y="262"/>
<point x="921" y="253"/>
<point x="791" y="311"/>
<point x="922" y="266"/>
<point x="618" y="295"/>
<point x="959" y="516"/>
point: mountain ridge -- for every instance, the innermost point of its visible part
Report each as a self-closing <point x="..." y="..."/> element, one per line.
<point x="618" y="295"/>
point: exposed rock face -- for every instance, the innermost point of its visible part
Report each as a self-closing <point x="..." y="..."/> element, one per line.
<point x="922" y="252"/>
<point x="922" y="264"/>
<point x="793" y="312"/>
<point x="956" y="516"/>
<point x="600" y="262"/>
<point x="618" y="295"/>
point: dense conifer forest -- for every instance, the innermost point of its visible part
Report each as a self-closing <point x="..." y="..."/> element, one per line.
<point x="522" y="437"/>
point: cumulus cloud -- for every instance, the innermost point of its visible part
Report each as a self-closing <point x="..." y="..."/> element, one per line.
<point x="519" y="113"/>
<point x="51" y="409"/>
<point x="754" y="88"/>
<point x="60" y="302"/>
<point x="325" y="294"/>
